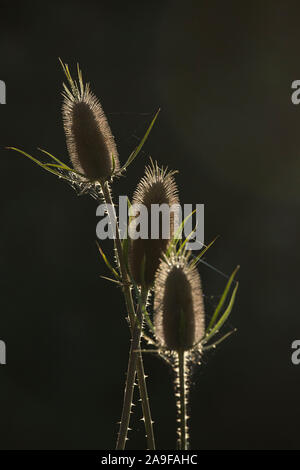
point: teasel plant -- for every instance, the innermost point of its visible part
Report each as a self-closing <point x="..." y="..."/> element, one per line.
<point x="142" y="267"/>
<point x="179" y="331"/>
<point x="157" y="187"/>
<point x="95" y="164"/>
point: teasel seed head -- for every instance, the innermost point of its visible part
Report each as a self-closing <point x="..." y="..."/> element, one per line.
<point x="90" y="143"/>
<point x="156" y="187"/>
<point x="178" y="305"/>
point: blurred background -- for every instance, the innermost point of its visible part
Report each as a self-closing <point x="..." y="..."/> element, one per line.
<point x="221" y="73"/>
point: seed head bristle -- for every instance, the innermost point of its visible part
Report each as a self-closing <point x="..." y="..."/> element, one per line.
<point x="156" y="187"/>
<point x="90" y="143"/>
<point x="178" y="304"/>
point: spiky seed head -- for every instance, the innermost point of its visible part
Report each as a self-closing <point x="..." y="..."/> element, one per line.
<point x="178" y="305"/>
<point x="90" y="143"/>
<point x="156" y="187"/>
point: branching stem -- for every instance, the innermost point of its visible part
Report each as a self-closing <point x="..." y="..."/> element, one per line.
<point x="131" y="372"/>
<point x="135" y="364"/>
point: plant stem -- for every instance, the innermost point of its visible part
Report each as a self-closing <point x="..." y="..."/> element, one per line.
<point x="135" y="363"/>
<point x="131" y="371"/>
<point x="141" y="380"/>
<point x="183" y="441"/>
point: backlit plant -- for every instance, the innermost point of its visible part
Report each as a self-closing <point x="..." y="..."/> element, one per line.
<point x="177" y="328"/>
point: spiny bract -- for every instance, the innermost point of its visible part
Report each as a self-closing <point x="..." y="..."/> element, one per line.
<point x="156" y="187"/>
<point x="90" y="143"/>
<point x="178" y="305"/>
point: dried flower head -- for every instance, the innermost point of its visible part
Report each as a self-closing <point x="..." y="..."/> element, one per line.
<point x="90" y="143"/>
<point x="178" y="305"/>
<point x="156" y="187"/>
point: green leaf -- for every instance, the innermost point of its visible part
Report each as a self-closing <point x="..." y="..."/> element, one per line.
<point x="135" y="153"/>
<point x="35" y="160"/>
<point x="222" y="299"/>
<point x="108" y="264"/>
<point x="50" y="167"/>
<point x="216" y="343"/>
<point x="63" y="165"/>
<point x="182" y="246"/>
<point x="111" y="280"/>
<point x="54" y="165"/>
<point x="176" y="237"/>
<point x="195" y="260"/>
<point x="223" y="318"/>
<point x="66" y="167"/>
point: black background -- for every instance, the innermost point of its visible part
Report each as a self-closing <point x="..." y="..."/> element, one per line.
<point x="222" y="74"/>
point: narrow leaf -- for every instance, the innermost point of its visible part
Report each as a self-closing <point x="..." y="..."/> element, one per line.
<point x="55" y="159"/>
<point x="35" y="160"/>
<point x="108" y="264"/>
<point x="223" y="318"/>
<point x="195" y="260"/>
<point x="176" y="237"/>
<point x="111" y="280"/>
<point x="222" y="300"/>
<point x="216" y="343"/>
<point x="135" y="153"/>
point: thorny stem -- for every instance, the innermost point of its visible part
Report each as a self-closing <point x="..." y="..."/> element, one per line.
<point x="141" y="381"/>
<point x="183" y="438"/>
<point x="135" y="360"/>
<point x="130" y="379"/>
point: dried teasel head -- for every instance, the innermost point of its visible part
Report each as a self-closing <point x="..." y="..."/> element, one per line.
<point x="90" y="143"/>
<point x="156" y="187"/>
<point x="178" y="305"/>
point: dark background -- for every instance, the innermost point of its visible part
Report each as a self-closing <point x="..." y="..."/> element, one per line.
<point x="222" y="74"/>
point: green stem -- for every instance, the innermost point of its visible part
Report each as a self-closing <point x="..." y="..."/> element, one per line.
<point x="183" y="440"/>
<point x="135" y="364"/>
